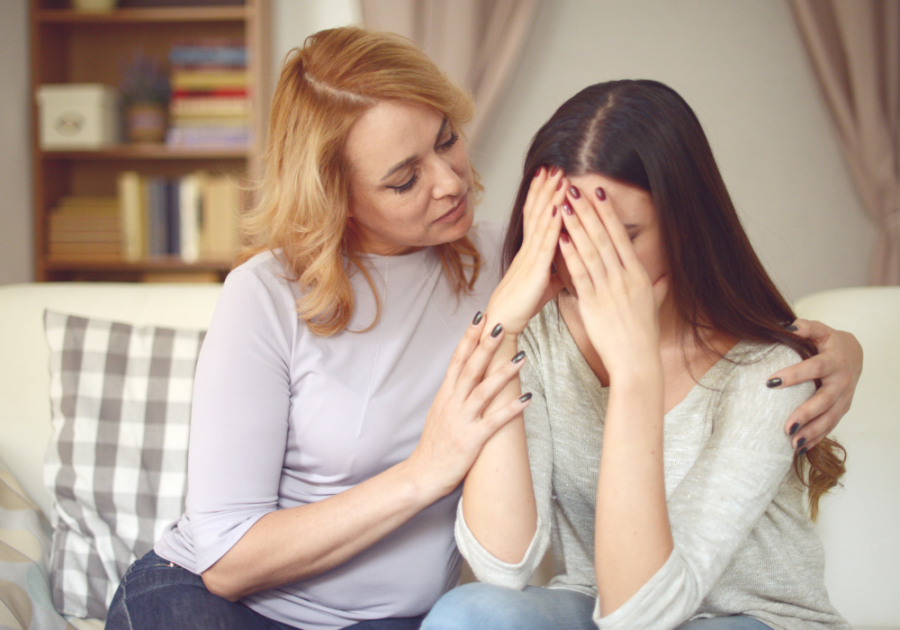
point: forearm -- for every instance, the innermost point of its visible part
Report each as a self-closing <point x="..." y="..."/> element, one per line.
<point x="498" y="497"/>
<point x="633" y="538"/>
<point x="298" y="543"/>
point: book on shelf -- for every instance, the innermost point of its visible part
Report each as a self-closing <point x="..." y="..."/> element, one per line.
<point x="210" y="104"/>
<point x="84" y="229"/>
<point x="193" y="217"/>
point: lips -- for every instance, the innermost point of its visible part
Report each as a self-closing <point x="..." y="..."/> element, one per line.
<point x="455" y="212"/>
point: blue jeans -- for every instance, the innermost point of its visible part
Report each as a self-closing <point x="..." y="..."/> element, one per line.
<point x="158" y="595"/>
<point x="477" y="605"/>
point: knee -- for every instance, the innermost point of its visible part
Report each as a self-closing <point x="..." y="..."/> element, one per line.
<point x="473" y="606"/>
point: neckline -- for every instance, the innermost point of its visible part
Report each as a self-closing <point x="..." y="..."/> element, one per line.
<point x="602" y="392"/>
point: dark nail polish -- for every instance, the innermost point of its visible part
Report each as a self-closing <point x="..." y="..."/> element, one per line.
<point x="574" y="192"/>
<point x="559" y="185"/>
<point x="554" y="171"/>
<point x="802" y="451"/>
<point x="564" y="238"/>
<point x="568" y="209"/>
<point x="801" y="442"/>
<point x="791" y="328"/>
<point x="525" y="397"/>
<point x="795" y="427"/>
<point x="601" y="194"/>
<point x="773" y="382"/>
<point x="497" y="330"/>
<point x="477" y="319"/>
<point x="553" y="214"/>
<point x="519" y="356"/>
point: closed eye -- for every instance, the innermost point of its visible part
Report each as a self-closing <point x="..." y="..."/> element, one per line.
<point x="402" y="188"/>
<point x="449" y="143"/>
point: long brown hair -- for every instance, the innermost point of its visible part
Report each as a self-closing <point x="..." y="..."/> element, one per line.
<point x="643" y="133"/>
<point x="302" y="212"/>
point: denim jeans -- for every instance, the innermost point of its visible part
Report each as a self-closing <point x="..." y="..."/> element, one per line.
<point x="158" y="595"/>
<point x="480" y="606"/>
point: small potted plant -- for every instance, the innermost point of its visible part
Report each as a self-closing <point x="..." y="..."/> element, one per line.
<point x="145" y="98"/>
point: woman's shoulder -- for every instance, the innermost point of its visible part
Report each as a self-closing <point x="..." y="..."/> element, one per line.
<point x="263" y="279"/>
<point x="760" y="356"/>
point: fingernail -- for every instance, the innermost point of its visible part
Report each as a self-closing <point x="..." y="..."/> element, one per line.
<point x="574" y="192"/>
<point x="801" y="442"/>
<point x="601" y="194"/>
<point x="802" y="451"/>
<point x="564" y="238"/>
<point x="791" y="328"/>
<point x="567" y="209"/>
<point x="773" y="382"/>
<point x="553" y="214"/>
<point x="525" y="397"/>
<point x="559" y="185"/>
<point x="538" y="172"/>
<point x="795" y="427"/>
<point x="477" y="319"/>
<point x="497" y="330"/>
<point x="554" y="171"/>
<point x="519" y="356"/>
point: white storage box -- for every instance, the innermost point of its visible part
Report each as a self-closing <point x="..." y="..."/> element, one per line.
<point x="78" y="116"/>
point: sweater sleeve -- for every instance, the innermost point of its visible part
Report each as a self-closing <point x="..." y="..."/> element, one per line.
<point x="485" y="566"/>
<point x="719" y="501"/>
<point x="240" y="414"/>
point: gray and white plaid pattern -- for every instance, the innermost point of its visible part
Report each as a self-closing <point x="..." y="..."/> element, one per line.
<point x="117" y="463"/>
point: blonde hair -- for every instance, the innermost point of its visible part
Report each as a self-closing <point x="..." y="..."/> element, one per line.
<point x="303" y="202"/>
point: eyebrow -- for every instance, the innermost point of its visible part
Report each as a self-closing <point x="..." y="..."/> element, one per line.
<point x="413" y="158"/>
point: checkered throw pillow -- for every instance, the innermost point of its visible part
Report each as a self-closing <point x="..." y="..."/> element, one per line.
<point x="117" y="463"/>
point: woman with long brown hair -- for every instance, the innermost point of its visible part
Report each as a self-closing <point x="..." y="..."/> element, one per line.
<point x="328" y="436"/>
<point x="657" y="467"/>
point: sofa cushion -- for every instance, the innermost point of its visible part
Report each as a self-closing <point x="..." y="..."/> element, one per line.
<point x="24" y="549"/>
<point x="117" y="461"/>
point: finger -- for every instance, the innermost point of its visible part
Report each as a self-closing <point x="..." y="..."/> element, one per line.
<point x="615" y="228"/>
<point x="487" y="390"/>
<point x="598" y="235"/>
<point x="581" y="279"/>
<point x="825" y="402"/>
<point x="464" y="349"/>
<point x="475" y="366"/>
<point x="542" y="188"/>
<point x="811" y="329"/>
<point x="815" y="431"/>
<point x="818" y="366"/>
<point x="500" y="417"/>
<point x="588" y="251"/>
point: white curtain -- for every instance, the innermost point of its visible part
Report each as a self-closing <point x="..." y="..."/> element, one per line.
<point x="854" y="46"/>
<point x="476" y="42"/>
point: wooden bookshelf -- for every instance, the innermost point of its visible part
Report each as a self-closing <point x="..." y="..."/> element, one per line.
<point x="72" y="47"/>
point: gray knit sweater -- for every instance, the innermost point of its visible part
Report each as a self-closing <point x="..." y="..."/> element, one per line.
<point x="744" y="543"/>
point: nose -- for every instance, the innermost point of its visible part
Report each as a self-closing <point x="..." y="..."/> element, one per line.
<point x="447" y="181"/>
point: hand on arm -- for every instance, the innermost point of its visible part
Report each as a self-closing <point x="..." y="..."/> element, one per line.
<point x="292" y="544"/>
<point x="498" y="497"/>
<point x="617" y="307"/>
<point x="838" y="365"/>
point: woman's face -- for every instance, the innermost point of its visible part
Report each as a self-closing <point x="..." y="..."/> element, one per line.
<point x="634" y="207"/>
<point x="411" y="184"/>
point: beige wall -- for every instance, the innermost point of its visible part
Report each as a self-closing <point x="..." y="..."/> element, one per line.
<point x="15" y="152"/>
<point x="738" y="63"/>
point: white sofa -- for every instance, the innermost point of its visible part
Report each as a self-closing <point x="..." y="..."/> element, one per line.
<point x="859" y="523"/>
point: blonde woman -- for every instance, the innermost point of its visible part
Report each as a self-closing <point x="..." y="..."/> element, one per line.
<point x="329" y="437"/>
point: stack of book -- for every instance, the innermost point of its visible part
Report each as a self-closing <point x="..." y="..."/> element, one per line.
<point x="210" y="104"/>
<point x="85" y="229"/>
<point x="193" y="217"/>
